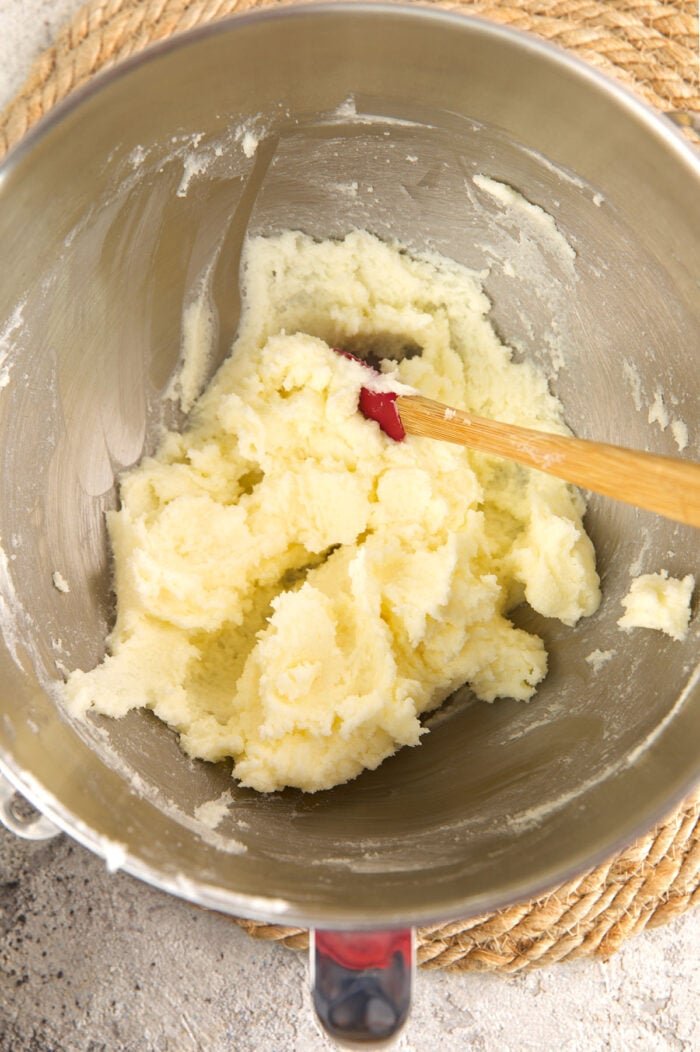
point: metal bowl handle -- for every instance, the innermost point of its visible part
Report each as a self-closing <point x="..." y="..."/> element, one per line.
<point x="362" y="983"/>
<point x="33" y="827"/>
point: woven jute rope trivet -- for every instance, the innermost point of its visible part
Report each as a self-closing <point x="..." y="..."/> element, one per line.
<point x="652" y="47"/>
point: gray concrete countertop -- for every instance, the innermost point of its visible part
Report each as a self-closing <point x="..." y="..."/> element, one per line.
<point x="94" y="962"/>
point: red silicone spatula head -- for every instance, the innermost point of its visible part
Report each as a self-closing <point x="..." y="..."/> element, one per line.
<point x="378" y="405"/>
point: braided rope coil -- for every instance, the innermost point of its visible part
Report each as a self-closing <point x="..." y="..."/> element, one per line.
<point x="651" y="46"/>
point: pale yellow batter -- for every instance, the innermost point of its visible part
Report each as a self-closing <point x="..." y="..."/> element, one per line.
<point x="658" y="601"/>
<point x="294" y="588"/>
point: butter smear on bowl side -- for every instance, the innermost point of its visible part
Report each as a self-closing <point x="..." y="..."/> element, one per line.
<point x="658" y="601"/>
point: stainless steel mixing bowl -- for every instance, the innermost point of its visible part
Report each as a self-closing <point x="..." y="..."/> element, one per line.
<point x="132" y="197"/>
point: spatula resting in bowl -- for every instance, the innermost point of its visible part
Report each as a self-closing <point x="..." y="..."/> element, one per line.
<point x="668" y="486"/>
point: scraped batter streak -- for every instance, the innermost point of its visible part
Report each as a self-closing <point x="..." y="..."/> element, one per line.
<point x="294" y="588"/>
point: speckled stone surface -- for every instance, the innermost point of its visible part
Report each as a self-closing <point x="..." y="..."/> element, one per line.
<point x="95" y="962"/>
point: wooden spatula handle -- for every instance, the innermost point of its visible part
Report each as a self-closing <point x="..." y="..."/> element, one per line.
<point x="667" y="485"/>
